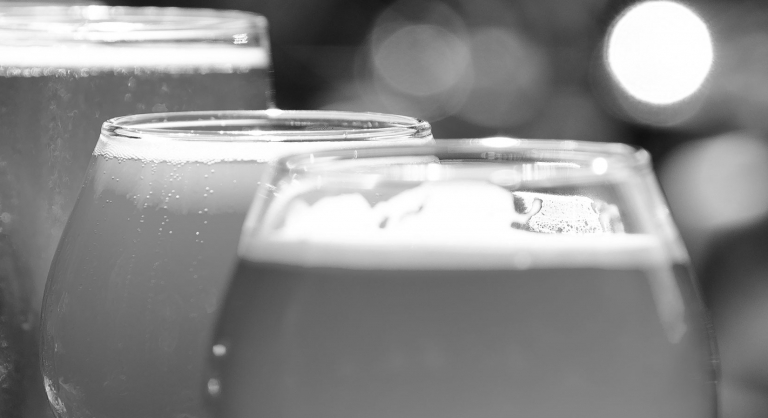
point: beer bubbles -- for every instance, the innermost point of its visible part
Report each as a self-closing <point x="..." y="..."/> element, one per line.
<point x="64" y="70"/>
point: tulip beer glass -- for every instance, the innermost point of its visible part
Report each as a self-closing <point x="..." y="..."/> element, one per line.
<point x="135" y="284"/>
<point x="480" y="279"/>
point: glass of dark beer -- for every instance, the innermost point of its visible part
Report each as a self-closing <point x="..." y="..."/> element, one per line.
<point x="136" y="281"/>
<point x="482" y="278"/>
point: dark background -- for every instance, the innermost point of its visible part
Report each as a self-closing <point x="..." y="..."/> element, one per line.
<point x="536" y="68"/>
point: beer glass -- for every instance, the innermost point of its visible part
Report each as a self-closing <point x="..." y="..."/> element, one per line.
<point x="136" y="281"/>
<point x="483" y="278"/>
<point x="64" y="70"/>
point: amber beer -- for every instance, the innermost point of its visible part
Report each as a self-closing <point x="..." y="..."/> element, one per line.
<point x="434" y="331"/>
<point x="137" y="279"/>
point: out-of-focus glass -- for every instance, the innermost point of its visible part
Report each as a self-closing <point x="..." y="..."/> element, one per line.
<point x="135" y="285"/>
<point x="64" y="70"/>
<point x="483" y="278"/>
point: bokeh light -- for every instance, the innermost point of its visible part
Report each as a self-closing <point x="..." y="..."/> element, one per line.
<point x="717" y="183"/>
<point x="510" y="79"/>
<point x="421" y="59"/>
<point x="417" y="62"/>
<point x="660" y="52"/>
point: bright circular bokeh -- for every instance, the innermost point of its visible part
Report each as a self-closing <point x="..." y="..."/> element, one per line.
<point x="421" y="59"/>
<point x="659" y="52"/>
<point x="716" y="184"/>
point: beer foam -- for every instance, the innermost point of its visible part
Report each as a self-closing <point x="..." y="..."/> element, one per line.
<point x="507" y="250"/>
<point x="158" y="148"/>
<point x="474" y="206"/>
<point x="451" y="225"/>
<point x="38" y="60"/>
<point x="562" y="214"/>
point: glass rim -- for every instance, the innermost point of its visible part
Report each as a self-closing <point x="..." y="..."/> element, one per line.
<point x="511" y="163"/>
<point x="329" y="125"/>
<point x="22" y="23"/>
<point x="615" y="156"/>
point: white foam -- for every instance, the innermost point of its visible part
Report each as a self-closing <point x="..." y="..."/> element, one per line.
<point x="463" y="205"/>
<point x="562" y="214"/>
<point x="448" y="225"/>
<point x="176" y="150"/>
<point x="31" y="60"/>
<point x="504" y="250"/>
<point x="466" y="205"/>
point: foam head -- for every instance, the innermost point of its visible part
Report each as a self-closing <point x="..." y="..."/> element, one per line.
<point x="39" y="40"/>
<point x="464" y="208"/>
<point x="460" y="224"/>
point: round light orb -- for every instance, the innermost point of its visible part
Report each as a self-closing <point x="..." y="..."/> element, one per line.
<point x="421" y="59"/>
<point x="659" y="52"/>
<point x="718" y="183"/>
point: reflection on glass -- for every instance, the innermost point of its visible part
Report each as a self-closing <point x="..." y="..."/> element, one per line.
<point x="135" y="283"/>
<point x="532" y="278"/>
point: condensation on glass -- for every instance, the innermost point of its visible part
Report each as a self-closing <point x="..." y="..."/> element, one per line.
<point x="64" y="70"/>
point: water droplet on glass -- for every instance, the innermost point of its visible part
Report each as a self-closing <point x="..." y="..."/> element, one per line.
<point x="214" y="387"/>
<point x="219" y="350"/>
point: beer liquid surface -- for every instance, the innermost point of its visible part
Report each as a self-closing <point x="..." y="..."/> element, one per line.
<point x="482" y="341"/>
<point x="51" y="110"/>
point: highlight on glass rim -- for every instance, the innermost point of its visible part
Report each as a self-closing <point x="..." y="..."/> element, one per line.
<point x="491" y="275"/>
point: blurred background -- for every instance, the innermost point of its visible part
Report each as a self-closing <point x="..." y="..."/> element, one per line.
<point x="686" y="80"/>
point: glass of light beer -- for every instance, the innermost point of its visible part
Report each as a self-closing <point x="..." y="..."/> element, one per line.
<point x="64" y="70"/>
<point x="136" y="281"/>
<point x="482" y="278"/>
